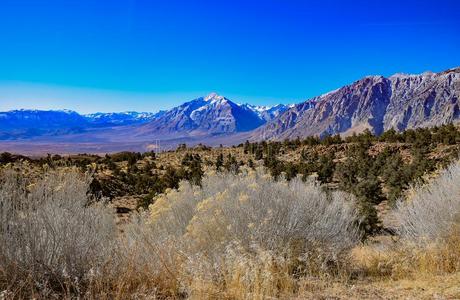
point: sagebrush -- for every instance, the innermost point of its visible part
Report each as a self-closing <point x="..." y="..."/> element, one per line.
<point x="432" y="211"/>
<point x="214" y="232"/>
<point x="51" y="239"/>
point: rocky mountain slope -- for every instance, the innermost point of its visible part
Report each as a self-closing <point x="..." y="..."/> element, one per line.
<point x="375" y="103"/>
<point x="210" y="115"/>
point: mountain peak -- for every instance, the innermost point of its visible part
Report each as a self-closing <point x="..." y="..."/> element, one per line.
<point x="213" y="96"/>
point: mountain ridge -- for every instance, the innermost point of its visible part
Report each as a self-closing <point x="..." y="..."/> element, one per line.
<point x="377" y="103"/>
<point x="212" y="114"/>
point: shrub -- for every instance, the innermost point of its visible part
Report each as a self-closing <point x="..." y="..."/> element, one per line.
<point x="429" y="227"/>
<point x="51" y="240"/>
<point x="201" y="238"/>
<point x="255" y="208"/>
<point x="433" y="210"/>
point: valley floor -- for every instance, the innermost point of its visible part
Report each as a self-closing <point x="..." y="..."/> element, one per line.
<point x="362" y="218"/>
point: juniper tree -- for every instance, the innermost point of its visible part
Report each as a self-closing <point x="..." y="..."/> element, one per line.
<point x="219" y="161"/>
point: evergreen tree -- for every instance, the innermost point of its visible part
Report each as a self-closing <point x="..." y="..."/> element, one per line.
<point x="196" y="172"/>
<point x="326" y="167"/>
<point x="258" y="155"/>
<point x="219" y="161"/>
<point x="251" y="164"/>
<point x="246" y="147"/>
<point x="231" y="164"/>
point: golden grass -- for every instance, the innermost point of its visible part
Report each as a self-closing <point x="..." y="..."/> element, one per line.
<point x="401" y="261"/>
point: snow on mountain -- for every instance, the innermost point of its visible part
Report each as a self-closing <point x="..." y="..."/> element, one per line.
<point x="212" y="114"/>
<point x="26" y="118"/>
<point x="122" y="118"/>
<point x="29" y="123"/>
<point x="267" y="113"/>
<point x="402" y="101"/>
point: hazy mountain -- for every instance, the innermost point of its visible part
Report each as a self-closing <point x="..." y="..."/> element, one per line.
<point x="122" y="118"/>
<point x="29" y="123"/>
<point x="374" y="102"/>
<point x="23" y="124"/>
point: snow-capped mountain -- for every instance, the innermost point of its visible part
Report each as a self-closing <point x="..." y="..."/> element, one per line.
<point x="376" y="103"/>
<point x="267" y="113"/>
<point x="209" y="115"/>
<point x="122" y="118"/>
<point x="213" y="114"/>
<point x="24" y="118"/>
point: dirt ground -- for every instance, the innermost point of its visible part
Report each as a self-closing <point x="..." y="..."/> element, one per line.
<point x="433" y="287"/>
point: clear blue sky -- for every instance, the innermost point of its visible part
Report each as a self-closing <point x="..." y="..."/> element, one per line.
<point x="92" y="55"/>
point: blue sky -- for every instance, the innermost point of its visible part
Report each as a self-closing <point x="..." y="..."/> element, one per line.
<point x="91" y="55"/>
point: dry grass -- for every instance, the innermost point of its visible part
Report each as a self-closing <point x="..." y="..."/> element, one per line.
<point x="422" y="287"/>
<point x="238" y="237"/>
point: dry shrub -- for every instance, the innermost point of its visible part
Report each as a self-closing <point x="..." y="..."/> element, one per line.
<point x="243" y="236"/>
<point x="372" y="261"/>
<point x="433" y="210"/>
<point x="51" y="241"/>
<point x="429" y="229"/>
<point x="148" y="263"/>
<point x="430" y="224"/>
<point x="254" y="209"/>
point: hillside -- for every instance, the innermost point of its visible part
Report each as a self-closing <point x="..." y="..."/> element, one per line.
<point x="376" y="103"/>
<point x="303" y="218"/>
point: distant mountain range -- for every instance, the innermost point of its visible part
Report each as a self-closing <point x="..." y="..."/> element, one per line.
<point x="122" y="118"/>
<point x="25" y="124"/>
<point x="208" y="115"/>
<point x="376" y="103"/>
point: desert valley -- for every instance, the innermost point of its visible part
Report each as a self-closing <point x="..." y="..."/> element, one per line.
<point x="234" y="150"/>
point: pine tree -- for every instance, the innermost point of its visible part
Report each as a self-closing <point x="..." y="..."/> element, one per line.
<point x="196" y="172"/>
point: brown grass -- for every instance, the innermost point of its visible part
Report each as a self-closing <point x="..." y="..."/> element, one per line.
<point x="213" y="253"/>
